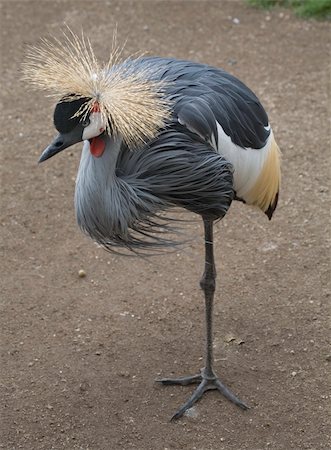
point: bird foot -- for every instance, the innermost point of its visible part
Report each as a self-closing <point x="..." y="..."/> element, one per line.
<point x="207" y="381"/>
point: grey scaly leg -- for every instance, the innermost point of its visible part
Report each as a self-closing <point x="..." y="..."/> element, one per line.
<point x="207" y="379"/>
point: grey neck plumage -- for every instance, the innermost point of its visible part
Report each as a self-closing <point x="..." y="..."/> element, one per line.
<point x="111" y="208"/>
<point x="95" y="180"/>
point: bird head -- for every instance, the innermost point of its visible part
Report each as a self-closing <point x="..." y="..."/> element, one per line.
<point x="74" y="127"/>
<point x="119" y="98"/>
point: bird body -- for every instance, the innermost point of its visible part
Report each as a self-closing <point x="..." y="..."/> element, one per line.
<point x="130" y="187"/>
<point x="119" y="194"/>
<point x="158" y="133"/>
<point x="225" y="113"/>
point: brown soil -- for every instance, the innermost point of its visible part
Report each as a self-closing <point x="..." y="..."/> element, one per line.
<point x="79" y="355"/>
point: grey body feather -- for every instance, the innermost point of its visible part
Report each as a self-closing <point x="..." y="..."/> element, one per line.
<point x="119" y="196"/>
<point x="203" y="95"/>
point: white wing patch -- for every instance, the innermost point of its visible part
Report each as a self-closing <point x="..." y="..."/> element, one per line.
<point x="247" y="162"/>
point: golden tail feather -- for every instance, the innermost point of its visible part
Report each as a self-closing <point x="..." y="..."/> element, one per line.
<point x="264" y="193"/>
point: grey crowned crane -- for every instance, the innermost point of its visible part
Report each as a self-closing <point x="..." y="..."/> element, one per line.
<point x="158" y="133"/>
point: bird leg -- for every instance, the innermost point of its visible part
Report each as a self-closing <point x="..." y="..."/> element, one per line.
<point x="207" y="379"/>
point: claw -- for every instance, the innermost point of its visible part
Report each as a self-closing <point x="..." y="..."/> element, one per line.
<point x="197" y="394"/>
<point x="183" y="381"/>
<point x="229" y="395"/>
<point x="205" y="384"/>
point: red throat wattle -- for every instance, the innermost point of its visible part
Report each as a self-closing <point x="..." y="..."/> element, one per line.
<point x="97" y="146"/>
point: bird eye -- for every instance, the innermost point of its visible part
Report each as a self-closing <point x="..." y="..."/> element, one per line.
<point x="86" y="122"/>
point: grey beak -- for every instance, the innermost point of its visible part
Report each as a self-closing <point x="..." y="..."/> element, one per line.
<point x="61" y="142"/>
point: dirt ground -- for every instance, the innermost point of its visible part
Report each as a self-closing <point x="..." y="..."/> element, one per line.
<point x="80" y="355"/>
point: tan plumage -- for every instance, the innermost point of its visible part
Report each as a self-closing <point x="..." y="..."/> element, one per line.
<point x="266" y="188"/>
<point x="130" y="102"/>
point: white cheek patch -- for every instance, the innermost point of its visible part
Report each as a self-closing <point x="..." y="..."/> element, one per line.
<point x="96" y="126"/>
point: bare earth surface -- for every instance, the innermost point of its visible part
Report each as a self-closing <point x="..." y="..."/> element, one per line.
<point x="80" y="355"/>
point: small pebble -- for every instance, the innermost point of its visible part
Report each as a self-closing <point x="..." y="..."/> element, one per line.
<point x="84" y="386"/>
<point x="81" y="273"/>
<point x="191" y="412"/>
<point x="232" y="62"/>
<point x="124" y="374"/>
<point x="294" y="373"/>
<point x="229" y="338"/>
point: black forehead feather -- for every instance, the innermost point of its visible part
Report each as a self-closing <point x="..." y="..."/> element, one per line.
<point x="63" y="120"/>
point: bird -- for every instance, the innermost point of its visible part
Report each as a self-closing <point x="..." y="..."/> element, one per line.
<point x="158" y="133"/>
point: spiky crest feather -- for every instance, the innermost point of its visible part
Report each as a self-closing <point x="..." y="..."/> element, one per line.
<point x="131" y="103"/>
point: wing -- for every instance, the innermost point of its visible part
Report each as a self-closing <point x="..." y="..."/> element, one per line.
<point x="181" y="171"/>
<point x="219" y="109"/>
<point x="204" y="96"/>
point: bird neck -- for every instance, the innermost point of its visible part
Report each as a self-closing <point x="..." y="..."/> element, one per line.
<point x="108" y="205"/>
<point x="99" y="169"/>
<point x="96" y="181"/>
